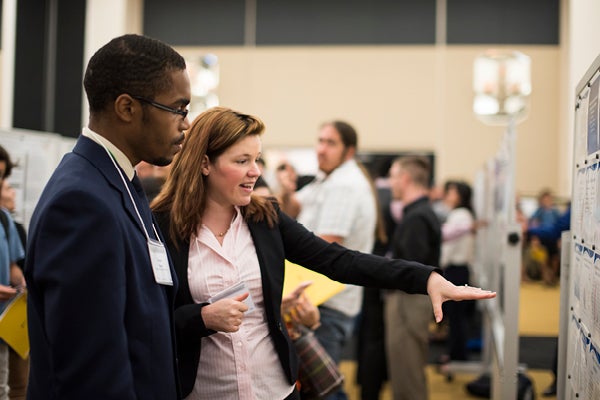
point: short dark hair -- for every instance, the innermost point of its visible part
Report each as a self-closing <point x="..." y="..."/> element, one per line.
<point x="418" y="168"/>
<point x="4" y="156"/>
<point x="133" y="64"/>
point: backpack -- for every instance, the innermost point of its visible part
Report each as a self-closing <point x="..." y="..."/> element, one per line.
<point x="481" y="387"/>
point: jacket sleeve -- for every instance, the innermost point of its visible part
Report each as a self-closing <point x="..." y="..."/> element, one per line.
<point x="347" y="266"/>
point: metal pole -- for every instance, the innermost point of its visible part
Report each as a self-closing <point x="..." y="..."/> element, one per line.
<point x="50" y="71"/>
<point x="512" y="284"/>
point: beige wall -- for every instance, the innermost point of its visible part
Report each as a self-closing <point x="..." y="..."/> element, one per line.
<point x="398" y="97"/>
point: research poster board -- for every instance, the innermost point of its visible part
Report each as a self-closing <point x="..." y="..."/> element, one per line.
<point x="581" y="375"/>
<point x="35" y="155"/>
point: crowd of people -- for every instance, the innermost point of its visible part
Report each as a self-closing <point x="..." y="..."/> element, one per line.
<point x="178" y="293"/>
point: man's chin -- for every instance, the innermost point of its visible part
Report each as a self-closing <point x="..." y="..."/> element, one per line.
<point x="323" y="167"/>
<point x="326" y="170"/>
<point x="161" y="162"/>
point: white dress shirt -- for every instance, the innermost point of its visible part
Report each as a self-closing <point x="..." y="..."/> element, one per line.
<point x="341" y="204"/>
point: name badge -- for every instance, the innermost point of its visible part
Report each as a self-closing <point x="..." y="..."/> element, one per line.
<point x="160" y="263"/>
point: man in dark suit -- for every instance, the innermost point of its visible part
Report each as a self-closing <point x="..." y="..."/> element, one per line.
<point x="417" y="238"/>
<point x="101" y="284"/>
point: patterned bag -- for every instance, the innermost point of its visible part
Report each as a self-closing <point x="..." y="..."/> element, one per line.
<point x="319" y="375"/>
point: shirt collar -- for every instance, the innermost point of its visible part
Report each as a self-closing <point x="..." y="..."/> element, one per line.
<point x="117" y="154"/>
<point x="238" y="219"/>
<point x="321" y="176"/>
<point x="416" y="203"/>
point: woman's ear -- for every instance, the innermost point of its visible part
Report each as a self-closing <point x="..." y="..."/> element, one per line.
<point x="205" y="167"/>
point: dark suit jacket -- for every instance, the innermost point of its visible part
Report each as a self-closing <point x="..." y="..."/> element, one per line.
<point x="418" y="235"/>
<point x="286" y="240"/>
<point x="100" y="327"/>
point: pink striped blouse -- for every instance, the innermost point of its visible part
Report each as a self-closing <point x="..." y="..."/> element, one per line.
<point x="242" y="365"/>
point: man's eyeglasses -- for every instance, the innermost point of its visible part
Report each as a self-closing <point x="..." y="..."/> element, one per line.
<point x="177" y="111"/>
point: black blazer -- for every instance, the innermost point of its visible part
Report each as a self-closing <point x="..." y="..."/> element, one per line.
<point x="286" y="240"/>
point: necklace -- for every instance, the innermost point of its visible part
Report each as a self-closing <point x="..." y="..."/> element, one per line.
<point x="221" y="234"/>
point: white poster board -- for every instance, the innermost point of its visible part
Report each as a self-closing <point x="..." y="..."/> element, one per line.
<point x="35" y="155"/>
<point x="579" y="337"/>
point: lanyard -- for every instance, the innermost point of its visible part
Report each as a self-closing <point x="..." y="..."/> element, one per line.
<point x="128" y="191"/>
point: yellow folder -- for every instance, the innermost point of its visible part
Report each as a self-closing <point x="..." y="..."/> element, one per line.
<point x="13" y="325"/>
<point x="321" y="289"/>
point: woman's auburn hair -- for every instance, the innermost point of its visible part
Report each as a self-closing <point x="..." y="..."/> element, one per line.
<point x="183" y="196"/>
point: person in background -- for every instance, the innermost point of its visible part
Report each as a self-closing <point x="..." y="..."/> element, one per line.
<point x="101" y="285"/>
<point x="339" y="206"/>
<point x="229" y="249"/>
<point x="152" y="177"/>
<point x="144" y="169"/>
<point x="417" y="237"/>
<point x="436" y="195"/>
<point x="458" y="252"/>
<point x="546" y="214"/>
<point x="286" y="173"/>
<point x="8" y="202"/>
<point x="18" y="368"/>
<point x="544" y="248"/>
<point x="11" y="275"/>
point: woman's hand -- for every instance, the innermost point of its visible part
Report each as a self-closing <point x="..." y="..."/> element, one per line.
<point x="225" y="315"/>
<point x="441" y="290"/>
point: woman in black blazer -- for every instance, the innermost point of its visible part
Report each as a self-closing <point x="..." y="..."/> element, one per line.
<point x="211" y="220"/>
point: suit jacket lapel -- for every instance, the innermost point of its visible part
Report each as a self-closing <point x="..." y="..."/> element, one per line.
<point x="271" y="275"/>
<point x="97" y="156"/>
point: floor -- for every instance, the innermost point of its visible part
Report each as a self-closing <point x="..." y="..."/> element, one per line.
<point x="439" y="388"/>
<point x="534" y="320"/>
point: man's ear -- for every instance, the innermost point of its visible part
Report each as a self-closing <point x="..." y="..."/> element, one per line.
<point x="205" y="167"/>
<point x="126" y="107"/>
